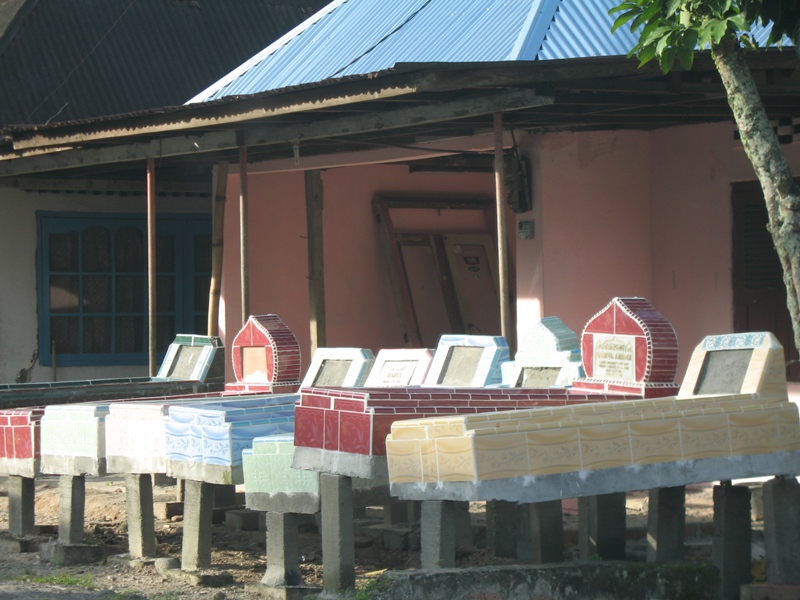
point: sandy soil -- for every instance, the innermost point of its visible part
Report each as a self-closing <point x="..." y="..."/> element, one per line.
<point x="243" y="553"/>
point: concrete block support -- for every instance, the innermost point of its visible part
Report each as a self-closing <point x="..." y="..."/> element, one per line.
<point x="141" y="522"/>
<point x="731" y="543"/>
<point x="338" y="536"/>
<point x="197" y="511"/>
<point x="282" y="551"/>
<point x="463" y="523"/>
<point x="666" y="521"/>
<point x="601" y="526"/>
<point x="224" y="496"/>
<point x="438" y="535"/>
<point x="71" y="505"/>
<point x="546" y="526"/>
<point x="501" y="528"/>
<point x="21" y="501"/>
<point x="782" y="530"/>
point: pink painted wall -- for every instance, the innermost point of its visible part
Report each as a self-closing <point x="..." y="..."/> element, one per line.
<point x="692" y="169"/>
<point x="359" y="306"/>
<point x="639" y="213"/>
<point x="617" y="213"/>
<point x="595" y="222"/>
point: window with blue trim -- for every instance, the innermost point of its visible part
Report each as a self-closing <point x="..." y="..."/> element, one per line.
<point x="92" y="285"/>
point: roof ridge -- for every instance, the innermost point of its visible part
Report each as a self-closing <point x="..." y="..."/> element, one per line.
<point x="533" y="32"/>
<point x="271" y="49"/>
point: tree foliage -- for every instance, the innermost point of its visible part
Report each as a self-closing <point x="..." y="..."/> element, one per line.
<point x="673" y="30"/>
<point x="676" y="28"/>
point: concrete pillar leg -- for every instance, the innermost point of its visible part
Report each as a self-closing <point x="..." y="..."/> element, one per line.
<point x="21" y="501"/>
<point x="414" y="508"/>
<point x="282" y="551"/>
<point x="601" y="526"/>
<point x="198" y="506"/>
<point x="180" y="490"/>
<point x="395" y="513"/>
<point x="501" y="528"/>
<point x="546" y="526"/>
<point x="141" y="522"/>
<point x="463" y="523"/>
<point x="438" y="535"/>
<point x="731" y="543"/>
<point x="782" y="530"/>
<point x="666" y="522"/>
<point x="338" y="536"/>
<point x="71" y="504"/>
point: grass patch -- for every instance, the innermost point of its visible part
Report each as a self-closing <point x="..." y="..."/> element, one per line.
<point x="63" y="579"/>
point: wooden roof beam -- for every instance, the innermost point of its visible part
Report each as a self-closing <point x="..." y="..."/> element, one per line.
<point x="215" y="141"/>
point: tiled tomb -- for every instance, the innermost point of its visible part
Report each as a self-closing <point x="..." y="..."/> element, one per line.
<point x="343" y="432"/>
<point x="193" y="363"/>
<point x="271" y="484"/>
<point x="204" y="442"/>
<point x="265" y="357"/>
<point x="731" y="420"/>
<point x="192" y="356"/>
<point x="548" y="355"/>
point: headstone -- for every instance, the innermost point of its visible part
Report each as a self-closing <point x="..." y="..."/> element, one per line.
<point x="629" y="347"/>
<point x="265" y="356"/>
<point x="548" y="355"/>
<point x="467" y="361"/>
<point x="400" y="367"/>
<point x="339" y="367"/>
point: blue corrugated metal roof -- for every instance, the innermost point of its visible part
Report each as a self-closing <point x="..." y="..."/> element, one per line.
<point x="355" y="37"/>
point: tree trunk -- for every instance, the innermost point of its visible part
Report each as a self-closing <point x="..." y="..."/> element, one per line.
<point x="761" y="145"/>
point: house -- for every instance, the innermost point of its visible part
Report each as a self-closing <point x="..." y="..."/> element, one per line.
<point x="63" y="61"/>
<point x="364" y="140"/>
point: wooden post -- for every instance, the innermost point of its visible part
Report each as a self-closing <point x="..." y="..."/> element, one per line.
<point x="219" y="182"/>
<point x="244" y="270"/>
<point x="316" y="265"/>
<point x="151" y="263"/>
<point x="502" y="255"/>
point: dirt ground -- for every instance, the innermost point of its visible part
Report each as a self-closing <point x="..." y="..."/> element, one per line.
<point x="242" y="553"/>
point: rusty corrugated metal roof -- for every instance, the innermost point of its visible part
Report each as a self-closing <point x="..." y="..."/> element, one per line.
<point x="74" y="59"/>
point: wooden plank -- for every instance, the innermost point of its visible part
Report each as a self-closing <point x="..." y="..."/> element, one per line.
<point x="502" y="256"/>
<point x="215" y="141"/>
<point x="219" y="185"/>
<point x="398" y="281"/>
<point x="151" y="265"/>
<point x="316" y="262"/>
<point x="110" y="186"/>
<point x="244" y="268"/>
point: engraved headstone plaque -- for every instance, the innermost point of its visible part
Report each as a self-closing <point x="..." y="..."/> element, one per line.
<point x="723" y="372"/>
<point x="396" y="373"/>
<point x="185" y="361"/>
<point x="538" y="377"/>
<point x="254" y="364"/>
<point x="460" y="365"/>
<point x="332" y="373"/>
<point x="615" y="357"/>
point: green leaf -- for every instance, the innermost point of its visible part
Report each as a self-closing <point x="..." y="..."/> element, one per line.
<point x="672" y="7"/>
<point x="622" y="19"/>
<point x="667" y="59"/>
<point x="685" y="50"/>
<point x="646" y="54"/>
